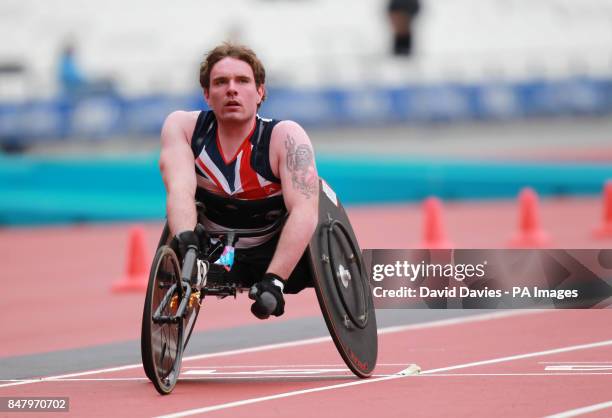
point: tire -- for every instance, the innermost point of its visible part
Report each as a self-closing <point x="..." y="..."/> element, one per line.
<point x="163" y="240"/>
<point x="162" y="344"/>
<point x="192" y="314"/>
<point x="342" y="285"/>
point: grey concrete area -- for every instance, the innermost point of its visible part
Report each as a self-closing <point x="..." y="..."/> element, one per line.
<point x="469" y="139"/>
<point x="443" y="140"/>
<point x="124" y="353"/>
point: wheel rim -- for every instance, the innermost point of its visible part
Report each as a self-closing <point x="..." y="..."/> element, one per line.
<point x="347" y="274"/>
<point x="166" y="339"/>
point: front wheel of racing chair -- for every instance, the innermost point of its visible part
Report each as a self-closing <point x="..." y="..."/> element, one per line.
<point x="174" y="294"/>
<point x="161" y="353"/>
<point x="162" y="329"/>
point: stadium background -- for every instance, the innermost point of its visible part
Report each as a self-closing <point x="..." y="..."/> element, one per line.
<point x="498" y="95"/>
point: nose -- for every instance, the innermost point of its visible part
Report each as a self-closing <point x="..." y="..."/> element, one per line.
<point x="231" y="88"/>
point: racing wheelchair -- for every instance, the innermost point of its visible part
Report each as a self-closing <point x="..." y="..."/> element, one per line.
<point x="177" y="289"/>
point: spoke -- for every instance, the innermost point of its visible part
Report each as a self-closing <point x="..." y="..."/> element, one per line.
<point x="164" y="337"/>
<point x="163" y="353"/>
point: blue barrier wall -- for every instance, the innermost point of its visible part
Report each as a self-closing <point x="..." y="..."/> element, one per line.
<point x="36" y="190"/>
<point x="104" y="116"/>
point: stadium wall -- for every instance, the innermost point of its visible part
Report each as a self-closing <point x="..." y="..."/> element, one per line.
<point x="42" y="190"/>
<point x="107" y="116"/>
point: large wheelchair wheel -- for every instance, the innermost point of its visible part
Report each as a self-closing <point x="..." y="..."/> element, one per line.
<point x="194" y="308"/>
<point x="162" y="342"/>
<point x="342" y="286"/>
<point x="163" y="240"/>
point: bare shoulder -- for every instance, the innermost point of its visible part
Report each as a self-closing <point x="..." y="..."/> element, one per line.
<point x="287" y="139"/>
<point x="286" y="136"/>
<point x="181" y="123"/>
<point x="182" y="118"/>
<point x="289" y="128"/>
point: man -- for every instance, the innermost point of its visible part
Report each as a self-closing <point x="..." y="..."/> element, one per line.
<point x="401" y="15"/>
<point x="246" y="170"/>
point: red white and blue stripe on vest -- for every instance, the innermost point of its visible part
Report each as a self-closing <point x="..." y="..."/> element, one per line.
<point x="245" y="176"/>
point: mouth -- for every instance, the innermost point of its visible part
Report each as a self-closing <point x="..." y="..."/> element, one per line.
<point x="232" y="103"/>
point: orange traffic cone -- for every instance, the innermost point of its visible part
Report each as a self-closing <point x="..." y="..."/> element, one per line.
<point x="605" y="230"/>
<point x="434" y="236"/>
<point x="530" y="233"/>
<point x="137" y="266"/>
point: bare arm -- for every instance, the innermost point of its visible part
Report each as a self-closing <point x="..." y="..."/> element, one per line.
<point x="293" y="158"/>
<point x="177" y="168"/>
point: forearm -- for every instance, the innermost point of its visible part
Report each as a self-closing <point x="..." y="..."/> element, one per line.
<point x="294" y="239"/>
<point x="176" y="163"/>
<point x="181" y="211"/>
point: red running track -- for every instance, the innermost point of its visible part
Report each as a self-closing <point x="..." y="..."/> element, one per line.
<point x="68" y="271"/>
<point x="472" y="367"/>
<point x="59" y="297"/>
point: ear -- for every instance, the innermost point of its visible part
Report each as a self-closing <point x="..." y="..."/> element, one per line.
<point x="206" y="95"/>
<point x="261" y="92"/>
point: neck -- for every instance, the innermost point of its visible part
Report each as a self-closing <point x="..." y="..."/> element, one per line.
<point x="234" y="132"/>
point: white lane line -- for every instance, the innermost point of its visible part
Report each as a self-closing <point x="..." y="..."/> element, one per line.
<point x="64" y="376"/>
<point x="221" y="377"/>
<point x="243" y="402"/>
<point x="268" y="372"/>
<point x="582" y="411"/>
<point x="118" y="379"/>
<point x="522" y="356"/>
<point x="574" y="362"/>
<point x="516" y="374"/>
<point x="257" y="366"/>
<point x="326" y="376"/>
<point x="387" y="330"/>
<point x="276" y="396"/>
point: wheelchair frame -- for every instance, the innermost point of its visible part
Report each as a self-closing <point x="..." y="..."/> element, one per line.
<point x="183" y="292"/>
<point x="338" y="275"/>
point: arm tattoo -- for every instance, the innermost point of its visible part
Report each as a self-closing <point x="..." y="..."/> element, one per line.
<point x="300" y="163"/>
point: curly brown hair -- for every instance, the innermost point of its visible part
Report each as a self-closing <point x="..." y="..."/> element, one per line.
<point x="240" y="52"/>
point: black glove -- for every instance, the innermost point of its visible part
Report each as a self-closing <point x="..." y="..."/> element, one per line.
<point x="185" y="240"/>
<point x="268" y="296"/>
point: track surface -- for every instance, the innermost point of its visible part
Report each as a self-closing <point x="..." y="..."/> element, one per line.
<point x="471" y="367"/>
<point x="62" y="320"/>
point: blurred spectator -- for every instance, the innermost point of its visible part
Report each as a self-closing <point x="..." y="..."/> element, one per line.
<point x="70" y="76"/>
<point x="73" y="81"/>
<point x="401" y="15"/>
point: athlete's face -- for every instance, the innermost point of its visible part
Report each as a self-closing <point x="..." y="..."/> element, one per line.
<point x="232" y="94"/>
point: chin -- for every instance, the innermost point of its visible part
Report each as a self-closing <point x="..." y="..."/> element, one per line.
<point x="234" y="116"/>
